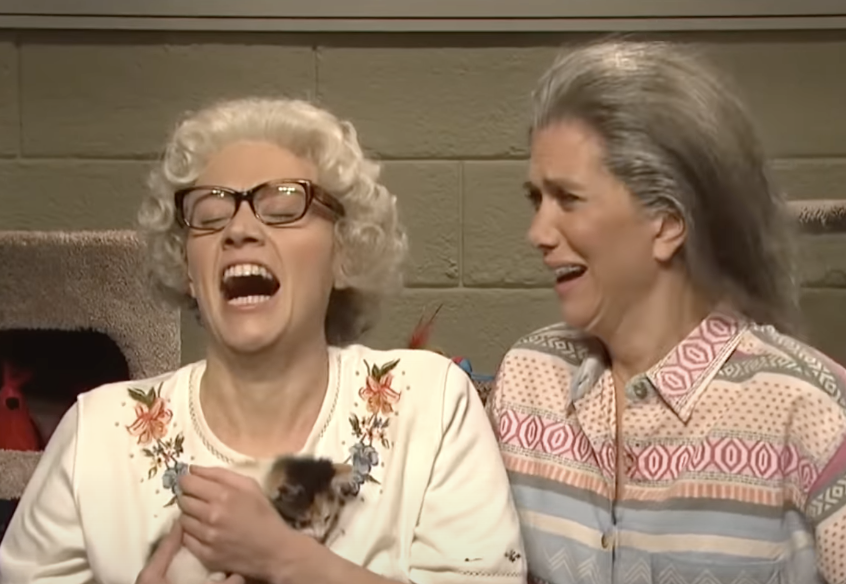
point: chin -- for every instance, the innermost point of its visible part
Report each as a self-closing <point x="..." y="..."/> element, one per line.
<point x="250" y="342"/>
<point x="578" y="318"/>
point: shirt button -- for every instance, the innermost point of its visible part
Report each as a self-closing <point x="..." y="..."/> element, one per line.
<point x="640" y="391"/>
<point x="607" y="541"/>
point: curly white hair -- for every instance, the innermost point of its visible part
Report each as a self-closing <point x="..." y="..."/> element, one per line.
<point x="371" y="241"/>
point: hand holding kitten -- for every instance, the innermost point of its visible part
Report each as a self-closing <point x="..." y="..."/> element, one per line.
<point x="230" y="525"/>
<point x="156" y="569"/>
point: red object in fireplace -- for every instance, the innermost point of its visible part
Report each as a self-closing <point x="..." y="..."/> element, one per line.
<point x="17" y="430"/>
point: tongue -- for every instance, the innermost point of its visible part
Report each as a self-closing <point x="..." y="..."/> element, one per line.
<point x="243" y="286"/>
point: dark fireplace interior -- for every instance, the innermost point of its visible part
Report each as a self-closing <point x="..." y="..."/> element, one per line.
<point x="43" y="371"/>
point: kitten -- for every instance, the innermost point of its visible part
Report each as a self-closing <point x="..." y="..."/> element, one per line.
<point x="308" y="493"/>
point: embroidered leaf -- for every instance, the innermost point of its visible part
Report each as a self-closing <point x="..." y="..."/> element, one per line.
<point x="171" y="502"/>
<point x="140" y="396"/>
<point x="153" y="470"/>
<point x="148" y="452"/>
<point x="369" y="478"/>
<point x="385" y="442"/>
<point x="356" y="425"/>
<point x="386" y="368"/>
<point x="177" y="444"/>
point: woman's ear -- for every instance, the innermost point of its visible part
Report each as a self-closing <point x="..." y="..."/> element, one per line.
<point x="670" y="234"/>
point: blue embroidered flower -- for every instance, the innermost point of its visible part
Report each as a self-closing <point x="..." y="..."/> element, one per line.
<point x="170" y="477"/>
<point x="364" y="458"/>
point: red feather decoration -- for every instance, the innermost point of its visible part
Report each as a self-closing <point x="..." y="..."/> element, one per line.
<point x="420" y="336"/>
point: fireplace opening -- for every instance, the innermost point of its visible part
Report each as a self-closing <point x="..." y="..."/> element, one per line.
<point x="43" y="371"/>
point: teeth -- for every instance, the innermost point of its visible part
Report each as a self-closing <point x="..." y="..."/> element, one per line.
<point x="246" y="300"/>
<point x="247" y="270"/>
<point x="569" y="270"/>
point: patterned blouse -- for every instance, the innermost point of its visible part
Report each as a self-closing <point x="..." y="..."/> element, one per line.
<point x="734" y="460"/>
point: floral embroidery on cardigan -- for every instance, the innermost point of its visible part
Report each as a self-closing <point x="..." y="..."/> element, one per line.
<point x="370" y="429"/>
<point x="151" y="425"/>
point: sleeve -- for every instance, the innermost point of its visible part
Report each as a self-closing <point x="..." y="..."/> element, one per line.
<point x="468" y="528"/>
<point x="44" y="543"/>
<point x="825" y="509"/>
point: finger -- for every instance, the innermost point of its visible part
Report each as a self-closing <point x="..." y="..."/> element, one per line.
<point x="166" y="550"/>
<point x="219" y="475"/>
<point x="235" y="579"/>
<point x="201" y="488"/>
<point x="195" y="529"/>
<point x="194" y="507"/>
<point x="196" y="547"/>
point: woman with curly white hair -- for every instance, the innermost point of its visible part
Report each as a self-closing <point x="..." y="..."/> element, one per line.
<point x="267" y="219"/>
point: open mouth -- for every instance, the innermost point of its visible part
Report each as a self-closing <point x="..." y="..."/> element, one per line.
<point x="569" y="272"/>
<point x="245" y="284"/>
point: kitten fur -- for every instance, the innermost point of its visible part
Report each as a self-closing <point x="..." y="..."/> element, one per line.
<point x="308" y="493"/>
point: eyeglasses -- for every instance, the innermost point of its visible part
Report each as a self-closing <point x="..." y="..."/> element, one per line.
<point x="277" y="202"/>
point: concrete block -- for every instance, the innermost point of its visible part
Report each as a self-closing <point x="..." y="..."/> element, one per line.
<point x="9" y="108"/>
<point x="478" y="324"/>
<point x="824" y="312"/>
<point x="430" y="206"/>
<point x="812" y="178"/>
<point x="70" y="194"/>
<point x="793" y="84"/>
<point x="434" y="102"/>
<point x="121" y="96"/>
<point x="822" y="261"/>
<point x="497" y="216"/>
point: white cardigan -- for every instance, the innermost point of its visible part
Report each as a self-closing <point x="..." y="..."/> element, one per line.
<point x="441" y="511"/>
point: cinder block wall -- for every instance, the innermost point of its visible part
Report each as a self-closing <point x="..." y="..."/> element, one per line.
<point x="83" y="114"/>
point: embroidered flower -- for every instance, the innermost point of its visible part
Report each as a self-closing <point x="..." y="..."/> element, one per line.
<point x="377" y="392"/>
<point x="170" y="477"/>
<point x="370" y="430"/>
<point x="151" y="426"/>
<point x="151" y="416"/>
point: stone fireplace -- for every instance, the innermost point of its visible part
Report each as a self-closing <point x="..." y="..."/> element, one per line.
<point x="75" y="313"/>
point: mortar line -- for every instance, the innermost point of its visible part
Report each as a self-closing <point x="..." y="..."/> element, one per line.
<point x="461" y="224"/>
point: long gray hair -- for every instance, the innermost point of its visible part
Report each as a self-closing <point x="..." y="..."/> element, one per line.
<point x="680" y="139"/>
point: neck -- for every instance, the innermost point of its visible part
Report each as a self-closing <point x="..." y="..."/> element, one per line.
<point x="645" y="335"/>
<point x="265" y="404"/>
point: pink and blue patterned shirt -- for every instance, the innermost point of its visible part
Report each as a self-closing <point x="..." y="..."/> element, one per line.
<point x="734" y="460"/>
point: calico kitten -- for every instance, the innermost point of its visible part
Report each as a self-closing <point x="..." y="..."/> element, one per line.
<point x="308" y="493"/>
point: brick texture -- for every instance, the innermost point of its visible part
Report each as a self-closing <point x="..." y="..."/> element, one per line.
<point x="81" y="115"/>
<point x="9" y="110"/>
<point x="102" y="96"/>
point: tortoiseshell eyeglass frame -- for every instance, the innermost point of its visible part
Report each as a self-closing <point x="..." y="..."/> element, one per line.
<point x="312" y="193"/>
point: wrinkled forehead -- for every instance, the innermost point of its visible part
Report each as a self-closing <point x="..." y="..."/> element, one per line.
<point x="566" y="151"/>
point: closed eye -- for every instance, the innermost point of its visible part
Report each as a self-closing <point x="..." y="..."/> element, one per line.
<point x="533" y="194"/>
<point x="562" y="195"/>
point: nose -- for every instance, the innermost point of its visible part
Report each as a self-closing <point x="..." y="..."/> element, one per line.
<point x="543" y="233"/>
<point x="244" y="228"/>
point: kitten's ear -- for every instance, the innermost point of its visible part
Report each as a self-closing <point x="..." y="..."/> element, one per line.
<point x="343" y="478"/>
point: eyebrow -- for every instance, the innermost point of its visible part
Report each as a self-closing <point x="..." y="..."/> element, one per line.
<point x="550" y="184"/>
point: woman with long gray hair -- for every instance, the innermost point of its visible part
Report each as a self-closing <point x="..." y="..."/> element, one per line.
<point x="670" y="429"/>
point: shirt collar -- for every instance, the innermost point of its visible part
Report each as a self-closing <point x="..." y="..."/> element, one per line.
<point x="683" y="374"/>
